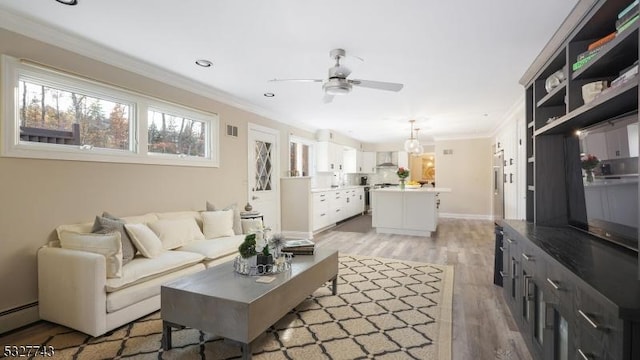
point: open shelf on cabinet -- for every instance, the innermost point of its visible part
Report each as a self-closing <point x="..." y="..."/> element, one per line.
<point x="618" y="101"/>
<point x="614" y="56"/>
<point x="554" y="97"/>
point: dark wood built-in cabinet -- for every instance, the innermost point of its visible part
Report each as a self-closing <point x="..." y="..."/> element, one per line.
<point x="573" y="294"/>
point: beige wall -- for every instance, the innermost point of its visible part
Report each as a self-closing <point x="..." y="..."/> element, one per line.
<point x="468" y="173"/>
<point x="38" y="195"/>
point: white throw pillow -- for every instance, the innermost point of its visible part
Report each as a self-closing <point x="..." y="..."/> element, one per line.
<point x="174" y="233"/>
<point x="237" y="227"/>
<point x="146" y="241"/>
<point x="251" y="226"/>
<point x="108" y="245"/>
<point x="217" y="223"/>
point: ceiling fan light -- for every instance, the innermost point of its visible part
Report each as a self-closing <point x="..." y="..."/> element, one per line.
<point x="336" y="87"/>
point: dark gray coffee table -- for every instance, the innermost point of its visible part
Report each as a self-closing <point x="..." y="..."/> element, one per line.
<point x="222" y="302"/>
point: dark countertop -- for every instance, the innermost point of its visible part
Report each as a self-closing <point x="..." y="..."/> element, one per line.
<point x="609" y="269"/>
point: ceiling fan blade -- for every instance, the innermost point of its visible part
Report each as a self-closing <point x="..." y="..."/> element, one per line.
<point x="297" y="80"/>
<point x="327" y="98"/>
<point x="380" y="85"/>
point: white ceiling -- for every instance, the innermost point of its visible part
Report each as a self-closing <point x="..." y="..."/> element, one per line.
<point x="459" y="61"/>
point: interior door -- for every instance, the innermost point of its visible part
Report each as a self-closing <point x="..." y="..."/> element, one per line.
<point x="264" y="174"/>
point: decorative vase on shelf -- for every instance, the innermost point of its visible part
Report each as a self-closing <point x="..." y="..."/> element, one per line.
<point x="248" y="207"/>
<point x="402" y="183"/>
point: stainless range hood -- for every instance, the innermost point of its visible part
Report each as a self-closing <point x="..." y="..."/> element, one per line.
<point x="387" y="159"/>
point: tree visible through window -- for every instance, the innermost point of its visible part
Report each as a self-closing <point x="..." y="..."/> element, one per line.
<point x="169" y="134"/>
<point x="52" y="115"/>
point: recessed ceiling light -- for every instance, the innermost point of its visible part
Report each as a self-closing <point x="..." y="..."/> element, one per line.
<point x="269" y="94"/>
<point x="204" y="63"/>
<point x="68" y="2"/>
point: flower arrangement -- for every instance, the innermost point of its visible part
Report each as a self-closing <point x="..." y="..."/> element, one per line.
<point x="589" y="162"/>
<point x="402" y="172"/>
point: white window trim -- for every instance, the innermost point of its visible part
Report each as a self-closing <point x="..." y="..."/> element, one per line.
<point x="139" y="104"/>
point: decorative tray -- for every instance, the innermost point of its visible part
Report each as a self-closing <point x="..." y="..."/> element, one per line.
<point x="249" y="267"/>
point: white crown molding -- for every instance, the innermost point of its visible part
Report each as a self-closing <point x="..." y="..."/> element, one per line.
<point x="54" y="36"/>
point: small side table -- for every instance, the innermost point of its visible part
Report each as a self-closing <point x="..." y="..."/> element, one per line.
<point x="251" y="215"/>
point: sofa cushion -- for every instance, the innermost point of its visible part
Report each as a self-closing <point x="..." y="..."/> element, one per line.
<point x="143" y="290"/>
<point x="141" y="269"/>
<point x="145" y="240"/>
<point x="77" y="228"/>
<point x="237" y="227"/>
<point x="174" y="233"/>
<point x="217" y="224"/>
<point x="108" y="245"/>
<point x="105" y="225"/>
<point x="140" y="219"/>
<point x="214" y="249"/>
<point x="181" y="215"/>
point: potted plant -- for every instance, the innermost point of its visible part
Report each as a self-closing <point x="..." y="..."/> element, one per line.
<point x="248" y="247"/>
<point x="402" y="173"/>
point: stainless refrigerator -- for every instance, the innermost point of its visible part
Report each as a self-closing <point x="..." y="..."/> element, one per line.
<point x="498" y="185"/>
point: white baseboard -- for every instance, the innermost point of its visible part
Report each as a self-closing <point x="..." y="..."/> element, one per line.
<point x="298" y="234"/>
<point x="23" y="315"/>
<point x="465" y="216"/>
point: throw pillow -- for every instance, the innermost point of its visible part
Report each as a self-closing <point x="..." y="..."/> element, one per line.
<point x="174" y="233"/>
<point x="145" y="240"/>
<point x="105" y="225"/>
<point x="108" y="245"/>
<point x="251" y="226"/>
<point x="217" y="223"/>
<point x="237" y="226"/>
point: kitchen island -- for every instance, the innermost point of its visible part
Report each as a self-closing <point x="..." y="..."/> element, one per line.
<point x="406" y="212"/>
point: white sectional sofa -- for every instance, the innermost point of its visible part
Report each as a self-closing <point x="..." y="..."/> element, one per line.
<point x="75" y="290"/>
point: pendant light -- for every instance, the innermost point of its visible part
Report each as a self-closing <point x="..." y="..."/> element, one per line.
<point x="420" y="150"/>
<point x="411" y="144"/>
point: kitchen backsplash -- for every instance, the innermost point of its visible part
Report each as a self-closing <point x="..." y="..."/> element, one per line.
<point x="619" y="166"/>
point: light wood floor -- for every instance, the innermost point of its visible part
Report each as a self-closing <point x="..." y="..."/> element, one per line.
<point x="482" y="326"/>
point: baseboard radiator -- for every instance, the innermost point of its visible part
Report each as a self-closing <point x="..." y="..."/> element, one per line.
<point x="19" y="316"/>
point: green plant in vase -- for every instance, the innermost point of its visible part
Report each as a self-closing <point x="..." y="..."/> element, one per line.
<point x="589" y="162"/>
<point x="248" y="247"/>
<point x="403" y="174"/>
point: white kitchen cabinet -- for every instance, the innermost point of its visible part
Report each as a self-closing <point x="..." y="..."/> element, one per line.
<point x="321" y="210"/>
<point x="406" y="212"/>
<point x="614" y="200"/>
<point x="368" y="162"/>
<point x="350" y="160"/>
<point x="632" y="136"/>
<point x="617" y="143"/>
<point x="336" y="205"/>
<point x="329" y="156"/>
<point x="596" y="144"/>
<point x="354" y="202"/>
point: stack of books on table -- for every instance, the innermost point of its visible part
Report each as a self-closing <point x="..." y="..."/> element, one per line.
<point x="299" y="247"/>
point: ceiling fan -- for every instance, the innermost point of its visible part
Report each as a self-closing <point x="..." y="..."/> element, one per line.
<point x="337" y="82"/>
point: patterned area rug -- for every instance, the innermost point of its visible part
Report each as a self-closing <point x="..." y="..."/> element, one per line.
<point x="385" y="309"/>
